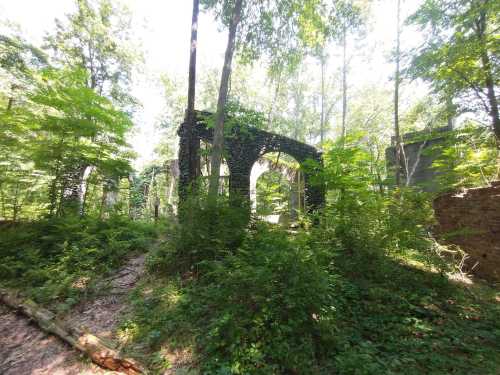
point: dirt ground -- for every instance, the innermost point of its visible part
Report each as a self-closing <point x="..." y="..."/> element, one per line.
<point x="26" y="350"/>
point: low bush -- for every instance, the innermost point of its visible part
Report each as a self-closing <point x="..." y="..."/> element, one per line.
<point x="265" y="308"/>
<point x="364" y="218"/>
<point x="205" y="232"/>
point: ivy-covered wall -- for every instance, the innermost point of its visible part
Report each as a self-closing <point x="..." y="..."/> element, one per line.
<point x="244" y="145"/>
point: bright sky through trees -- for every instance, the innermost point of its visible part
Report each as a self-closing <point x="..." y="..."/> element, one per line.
<point x="162" y="30"/>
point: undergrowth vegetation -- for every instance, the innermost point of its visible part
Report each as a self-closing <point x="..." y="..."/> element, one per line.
<point x="60" y="259"/>
<point x="359" y="288"/>
<point x="317" y="301"/>
<point x="266" y="307"/>
<point x="394" y="318"/>
<point x="363" y="291"/>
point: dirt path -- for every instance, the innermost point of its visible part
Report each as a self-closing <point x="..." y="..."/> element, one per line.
<point x="102" y="314"/>
<point x="27" y="350"/>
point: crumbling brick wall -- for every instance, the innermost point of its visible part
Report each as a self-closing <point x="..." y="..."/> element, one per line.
<point x="471" y="220"/>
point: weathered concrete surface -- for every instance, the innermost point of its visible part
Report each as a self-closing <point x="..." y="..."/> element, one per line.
<point x="420" y="150"/>
<point x="471" y="220"/>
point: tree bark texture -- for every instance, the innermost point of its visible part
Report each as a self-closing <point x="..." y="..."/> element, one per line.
<point x="189" y="148"/>
<point x="396" y="97"/>
<point x="218" y="142"/>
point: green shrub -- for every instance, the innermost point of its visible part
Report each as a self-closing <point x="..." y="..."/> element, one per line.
<point x="363" y="218"/>
<point x="265" y="308"/>
<point x="205" y="232"/>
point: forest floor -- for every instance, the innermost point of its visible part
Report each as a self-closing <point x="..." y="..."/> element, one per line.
<point x="26" y="349"/>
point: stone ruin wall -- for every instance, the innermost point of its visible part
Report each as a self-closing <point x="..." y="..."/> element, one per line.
<point x="244" y="145"/>
<point x="471" y="220"/>
<point x="420" y="149"/>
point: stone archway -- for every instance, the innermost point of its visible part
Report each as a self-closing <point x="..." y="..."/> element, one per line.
<point x="244" y="145"/>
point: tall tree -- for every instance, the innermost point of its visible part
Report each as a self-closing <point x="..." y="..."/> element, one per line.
<point x="218" y="142"/>
<point x="278" y="29"/>
<point x="345" y="19"/>
<point x="397" y="82"/>
<point x="20" y="62"/>
<point x="190" y="147"/>
<point x="460" y="55"/>
<point x="96" y="38"/>
<point x="72" y="125"/>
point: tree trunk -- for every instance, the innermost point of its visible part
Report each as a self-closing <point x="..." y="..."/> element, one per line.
<point x="86" y="192"/>
<point x="72" y="196"/>
<point x="130" y="195"/>
<point x="323" y="94"/>
<point x="151" y="191"/>
<point x="2" y="198"/>
<point x="189" y="144"/>
<point x="194" y="143"/>
<point x="157" y="208"/>
<point x="53" y="196"/>
<point x="10" y="103"/>
<point x="344" y="85"/>
<point x="396" y="98"/>
<point x="495" y="120"/>
<point x="450" y="113"/>
<point x="15" y="204"/>
<point x="86" y="343"/>
<point x="104" y="197"/>
<point x="218" y="142"/>
<point x="110" y="195"/>
<point x="170" y="192"/>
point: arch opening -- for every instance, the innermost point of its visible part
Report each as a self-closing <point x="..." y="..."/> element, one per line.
<point x="277" y="193"/>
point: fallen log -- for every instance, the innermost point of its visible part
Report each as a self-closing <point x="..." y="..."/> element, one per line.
<point x="90" y="345"/>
